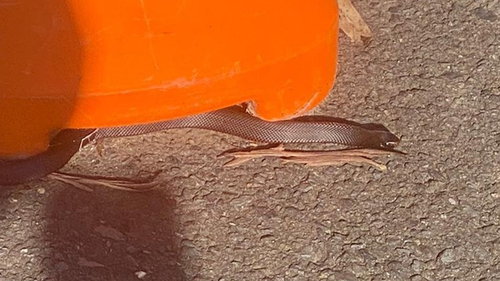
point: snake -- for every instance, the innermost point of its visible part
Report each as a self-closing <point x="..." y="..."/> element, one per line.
<point x="232" y="120"/>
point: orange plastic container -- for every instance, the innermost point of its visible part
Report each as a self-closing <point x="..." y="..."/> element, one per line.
<point x="92" y="63"/>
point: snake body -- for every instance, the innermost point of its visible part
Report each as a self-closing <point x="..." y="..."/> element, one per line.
<point x="62" y="147"/>
<point x="229" y="120"/>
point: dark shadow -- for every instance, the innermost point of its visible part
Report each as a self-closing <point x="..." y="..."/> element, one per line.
<point x="104" y="235"/>
<point x="5" y="193"/>
<point x="40" y="71"/>
<point x="112" y="235"/>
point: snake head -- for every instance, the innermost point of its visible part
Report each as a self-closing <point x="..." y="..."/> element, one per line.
<point x="380" y="139"/>
<point x="388" y="140"/>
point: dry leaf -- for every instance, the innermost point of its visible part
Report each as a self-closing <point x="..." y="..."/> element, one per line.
<point x="335" y="161"/>
<point x="352" y="23"/>
<point x="83" y="182"/>
<point x="313" y="158"/>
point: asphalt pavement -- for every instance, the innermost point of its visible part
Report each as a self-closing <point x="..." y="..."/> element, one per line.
<point x="430" y="74"/>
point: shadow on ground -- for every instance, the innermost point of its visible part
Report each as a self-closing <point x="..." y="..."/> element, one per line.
<point x="110" y="235"/>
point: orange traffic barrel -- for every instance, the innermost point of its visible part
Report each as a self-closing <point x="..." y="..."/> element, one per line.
<point x="92" y="64"/>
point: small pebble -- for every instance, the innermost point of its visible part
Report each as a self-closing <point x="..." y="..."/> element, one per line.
<point x="448" y="256"/>
<point x="140" y="274"/>
<point x="41" y="190"/>
<point x="452" y="201"/>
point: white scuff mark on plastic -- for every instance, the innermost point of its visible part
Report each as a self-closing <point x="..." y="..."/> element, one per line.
<point x="105" y="29"/>
<point x="176" y="83"/>
<point x="236" y="69"/>
<point x="307" y="106"/>
<point x="181" y="82"/>
<point x="96" y="37"/>
<point x="75" y="106"/>
<point x="149" y="35"/>
<point x="148" y="79"/>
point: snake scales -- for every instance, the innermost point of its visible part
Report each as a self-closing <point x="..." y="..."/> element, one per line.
<point x="230" y="120"/>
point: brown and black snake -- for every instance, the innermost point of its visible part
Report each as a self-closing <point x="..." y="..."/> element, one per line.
<point x="232" y="120"/>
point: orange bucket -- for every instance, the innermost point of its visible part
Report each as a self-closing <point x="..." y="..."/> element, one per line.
<point x="91" y="63"/>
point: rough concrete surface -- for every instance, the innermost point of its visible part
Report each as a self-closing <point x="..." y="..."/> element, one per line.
<point x="431" y="74"/>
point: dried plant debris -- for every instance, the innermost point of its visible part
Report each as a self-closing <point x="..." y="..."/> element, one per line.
<point x="314" y="158"/>
<point x="352" y="23"/>
<point x="358" y="156"/>
<point x="84" y="182"/>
